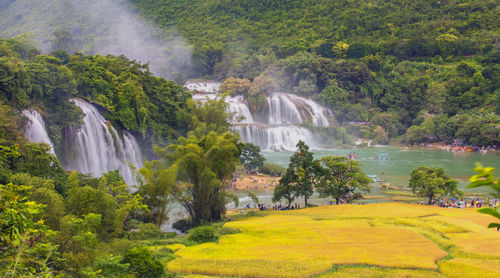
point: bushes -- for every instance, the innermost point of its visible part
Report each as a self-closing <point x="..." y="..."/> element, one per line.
<point x="142" y="263"/>
<point x="183" y="225"/>
<point x="203" y="234"/>
<point x="272" y="169"/>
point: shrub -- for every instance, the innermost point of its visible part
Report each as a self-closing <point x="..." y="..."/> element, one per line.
<point x="183" y="225"/>
<point x="202" y="234"/>
<point x="272" y="169"/>
<point x="142" y="263"/>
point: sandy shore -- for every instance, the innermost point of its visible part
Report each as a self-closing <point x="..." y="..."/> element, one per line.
<point x="252" y="182"/>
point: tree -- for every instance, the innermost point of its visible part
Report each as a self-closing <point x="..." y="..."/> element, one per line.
<point x="250" y="157"/>
<point x="157" y="182"/>
<point x="432" y="183"/>
<point x="340" y="49"/>
<point x="300" y="177"/>
<point x="24" y="250"/>
<point x="236" y="86"/>
<point x="342" y="179"/>
<point x="485" y="177"/>
<point x="203" y="168"/>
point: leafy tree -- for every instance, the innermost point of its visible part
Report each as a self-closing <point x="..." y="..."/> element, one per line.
<point x="236" y="86"/>
<point x="485" y="177"/>
<point x="300" y="177"/>
<point x="251" y="158"/>
<point x="24" y="248"/>
<point x="285" y="190"/>
<point x="203" y="167"/>
<point x="432" y="183"/>
<point x="156" y="186"/>
<point x="78" y="240"/>
<point x="209" y="116"/>
<point x="342" y="179"/>
<point x="340" y="49"/>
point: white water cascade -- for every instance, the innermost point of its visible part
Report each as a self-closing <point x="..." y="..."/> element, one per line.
<point x="280" y="129"/>
<point x="203" y="86"/>
<point x="96" y="147"/>
<point x="35" y="130"/>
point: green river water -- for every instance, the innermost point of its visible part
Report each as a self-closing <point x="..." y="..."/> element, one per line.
<point x="396" y="170"/>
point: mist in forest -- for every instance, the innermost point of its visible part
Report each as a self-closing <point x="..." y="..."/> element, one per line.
<point x="96" y="26"/>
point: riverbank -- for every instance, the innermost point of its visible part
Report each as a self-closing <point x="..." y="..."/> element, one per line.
<point x="260" y="182"/>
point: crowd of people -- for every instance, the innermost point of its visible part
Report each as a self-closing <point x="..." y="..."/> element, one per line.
<point x="458" y="146"/>
<point x="464" y="203"/>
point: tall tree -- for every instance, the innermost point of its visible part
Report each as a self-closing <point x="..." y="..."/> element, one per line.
<point x="342" y="179"/>
<point x="432" y="183"/>
<point x="203" y="168"/>
<point x="157" y="183"/>
<point x="302" y="174"/>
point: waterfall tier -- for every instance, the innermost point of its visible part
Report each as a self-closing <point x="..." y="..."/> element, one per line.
<point x="280" y="128"/>
<point x="275" y="138"/>
<point x="36" y="131"/>
<point x="203" y="86"/>
<point x="96" y="147"/>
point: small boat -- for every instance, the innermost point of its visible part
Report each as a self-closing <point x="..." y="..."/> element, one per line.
<point x="383" y="156"/>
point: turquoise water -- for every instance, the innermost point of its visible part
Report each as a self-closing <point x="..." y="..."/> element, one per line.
<point x="396" y="170"/>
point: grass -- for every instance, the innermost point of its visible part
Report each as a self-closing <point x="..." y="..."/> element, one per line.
<point x="376" y="240"/>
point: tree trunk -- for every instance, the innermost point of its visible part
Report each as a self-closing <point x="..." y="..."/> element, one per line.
<point x="431" y="198"/>
<point x="337" y="201"/>
<point x="305" y="201"/>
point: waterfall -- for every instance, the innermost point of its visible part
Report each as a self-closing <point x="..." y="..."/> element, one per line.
<point x="96" y="147"/>
<point x="281" y="130"/>
<point x="282" y="110"/>
<point x="35" y="130"/>
<point x="275" y="138"/>
<point x="203" y="86"/>
<point x="237" y="106"/>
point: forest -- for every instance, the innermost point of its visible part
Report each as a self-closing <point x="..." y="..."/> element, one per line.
<point x="419" y="71"/>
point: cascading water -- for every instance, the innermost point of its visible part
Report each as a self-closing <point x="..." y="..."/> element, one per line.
<point x="240" y="109"/>
<point x="35" y="129"/>
<point x="96" y="147"/>
<point x="275" y="138"/>
<point x="203" y="86"/>
<point x="281" y="130"/>
<point x="282" y="110"/>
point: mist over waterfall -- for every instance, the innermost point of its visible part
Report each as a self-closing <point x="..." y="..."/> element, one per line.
<point x="96" y="26"/>
<point x="35" y="130"/>
<point x="281" y="128"/>
<point x="96" y="147"/>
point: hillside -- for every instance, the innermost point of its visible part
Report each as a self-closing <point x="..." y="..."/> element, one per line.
<point x="254" y="25"/>
<point x="429" y="65"/>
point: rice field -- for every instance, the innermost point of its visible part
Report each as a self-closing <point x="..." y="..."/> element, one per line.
<point x="377" y="240"/>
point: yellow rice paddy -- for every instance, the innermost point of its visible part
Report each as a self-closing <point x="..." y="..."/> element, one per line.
<point x="381" y="240"/>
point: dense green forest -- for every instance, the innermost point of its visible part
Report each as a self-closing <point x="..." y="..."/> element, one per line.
<point x="128" y="93"/>
<point x="429" y="65"/>
<point x="62" y="223"/>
